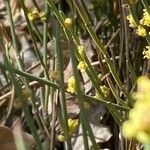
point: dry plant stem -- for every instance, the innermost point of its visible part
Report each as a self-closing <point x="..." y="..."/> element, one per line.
<point x="126" y="44"/>
<point x="44" y="125"/>
<point x="54" y="96"/>
<point x="112" y="38"/>
<point x="113" y="90"/>
<point x="11" y="100"/>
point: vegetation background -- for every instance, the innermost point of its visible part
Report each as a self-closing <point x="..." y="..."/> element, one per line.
<point x="68" y="71"/>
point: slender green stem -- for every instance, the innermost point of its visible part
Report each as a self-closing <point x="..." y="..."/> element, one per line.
<point x="45" y="54"/>
<point x="84" y="132"/>
<point x="145" y="3"/>
<point x="32" y="36"/>
<point x="106" y="102"/>
<point x="30" y="122"/>
<point x="62" y="86"/>
<point x="30" y="76"/>
<point x="70" y="34"/>
<point x="18" y="92"/>
<point x="56" y="86"/>
<point x="14" y="39"/>
<point x="80" y="98"/>
<point x="100" y="47"/>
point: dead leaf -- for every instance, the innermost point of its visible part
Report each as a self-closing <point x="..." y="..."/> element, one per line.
<point x="101" y="132"/>
<point x="6" y="139"/>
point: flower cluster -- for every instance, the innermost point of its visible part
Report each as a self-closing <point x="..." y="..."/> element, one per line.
<point x="82" y="66"/>
<point x="146" y="52"/>
<point x="72" y="126"/>
<point x="131" y="20"/>
<point x="105" y="92"/>
<point x="81" y="50"/>
<point x="35" y="15"/>
<point x="141" y="29"/>
<point x="71" y="85"/>
<point x="146" y="18"/>
<point x="68" y="23"/>
<point x="138" y="124"/>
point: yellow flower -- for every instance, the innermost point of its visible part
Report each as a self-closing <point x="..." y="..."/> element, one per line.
<point x="132" y="23"/>
<point x="143" y="137"/>
<point x="82" y="66"/>
<point x="33" y="15"/>
<point x="146" y="18"/>
<point x="143" y="85"/>
<point x="138" y="124"/>
<point x="71" y="85"/>
<point x="68" y="23"/>
<point x="105" y="90"/>
<point x="72" y="125"/>
<point x="81" y="50"/>
<point x="61" y="138"/>
<point x="141" y="31"/>
<point x="42" y="15"/>
<point x="128" y="130"/>
<point x="146" y="53"/>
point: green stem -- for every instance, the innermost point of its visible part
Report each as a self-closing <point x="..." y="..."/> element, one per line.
<point x="100" y="47"/>
<point x="84" y="132"/>
<point x="45" y="54"/>
<point x="80" y="98"/>
<point x="62" y="86"/>
<point x="30" y="76"/>
<point x="14" y="40"/>
<point x="145" y="3"/>
<point x="18" y="93"/>
<point x="32" y="36"/>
